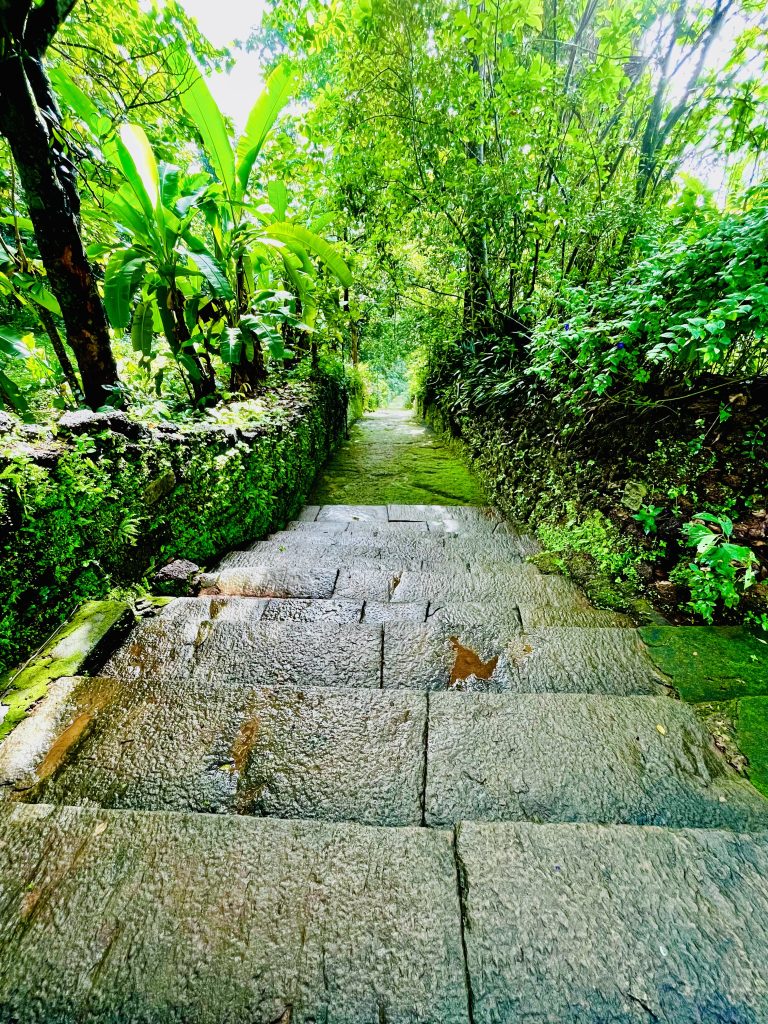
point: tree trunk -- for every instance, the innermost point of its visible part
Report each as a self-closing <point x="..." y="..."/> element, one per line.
<point x="47" y="179"/>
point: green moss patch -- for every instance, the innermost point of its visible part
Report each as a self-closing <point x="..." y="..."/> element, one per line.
<point x="76" y="646"/>
<point x="709" y="663"/>
<point x="391" y="457"/>
<point x="752" y="737"/>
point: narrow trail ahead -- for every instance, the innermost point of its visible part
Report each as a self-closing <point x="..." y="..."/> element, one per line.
<point x="380" y="771"/>
<point x="392" y="456"/>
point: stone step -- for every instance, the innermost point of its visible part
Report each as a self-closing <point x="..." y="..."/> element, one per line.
<point x="565" y="758"/>
<point x="495" y="588"/>
<point x="492" y="550"/>
<point x="336" y="755"/>
<point x="184" y="610"/>
<point x="227" y="653"/>
<point x="132" y="916"/>
<point x="377" y="757"/>
<point x="220" y="642"/>
<point x="498" y="658"/>
<point x="585" y="923"/>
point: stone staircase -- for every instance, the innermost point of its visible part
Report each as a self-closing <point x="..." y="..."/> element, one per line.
<point x="380" y="771"/>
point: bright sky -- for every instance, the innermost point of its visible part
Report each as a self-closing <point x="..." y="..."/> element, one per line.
<point x="223" y="21"/>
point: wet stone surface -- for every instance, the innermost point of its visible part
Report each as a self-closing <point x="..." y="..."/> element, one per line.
<point x="638" y="760"/>
<point x="336" y="755"/>
<point x="373" y="667"/>
<point x="225" y="919"/>
<point x="221" y="654"/>
<point x="588" y="924"/>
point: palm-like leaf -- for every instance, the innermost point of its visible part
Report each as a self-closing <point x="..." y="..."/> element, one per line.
<point x="260" y="120"/>
<point x="198" y="102"/>
<point x="297" y="237"/>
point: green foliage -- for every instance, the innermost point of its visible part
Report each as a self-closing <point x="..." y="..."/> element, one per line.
<point x="721" y="570"/>
<point x="698" y="303"/>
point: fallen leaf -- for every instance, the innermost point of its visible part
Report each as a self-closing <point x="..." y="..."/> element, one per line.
<point x="662" y="729"/>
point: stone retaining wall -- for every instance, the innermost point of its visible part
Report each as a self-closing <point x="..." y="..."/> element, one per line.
<point x="103" y="500"/>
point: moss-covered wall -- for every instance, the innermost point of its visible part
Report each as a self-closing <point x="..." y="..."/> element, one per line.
<point x="97" y="509"/>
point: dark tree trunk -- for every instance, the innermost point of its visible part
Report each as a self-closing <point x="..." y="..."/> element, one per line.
<point x="29" y="119"/>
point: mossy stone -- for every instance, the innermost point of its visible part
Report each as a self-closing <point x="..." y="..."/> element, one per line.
<point x="710" y="663"/>
<point x="70" y="651"/>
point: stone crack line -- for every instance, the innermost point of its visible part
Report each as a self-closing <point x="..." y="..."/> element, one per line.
<point x="425" y="744"/>
<point x="462" y="891"/>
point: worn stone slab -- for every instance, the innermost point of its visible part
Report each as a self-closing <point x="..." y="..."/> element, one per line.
<point x="299" y="654"/>
<point x="438" y="654"/>
<point x="336" y="755"/>
<point x="352" y="513"/>
<point x="584" y="660"/>
<point x="497" y="613"/>
<point x="584" y="923"/>
<point x="434" y="657"/>
<point x="560" y="758"/>
<point x="365" y="584"/>
<point x="225" y="609"/>
<point x="303" y="559"/>
<point x="269" y="581"/>
<point x="517" y="584"/>
<point x="377" y="611"/>
<point x="485" y="551"/>
<point x="312" y="610"/>
<point x="312" y="529"/>
<point x="537" y="616"/>
<point x="211" y="919"/>
<point x="476" y="516"/>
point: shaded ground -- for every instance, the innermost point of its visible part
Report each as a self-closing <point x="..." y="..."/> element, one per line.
<point x="391" y="456"/>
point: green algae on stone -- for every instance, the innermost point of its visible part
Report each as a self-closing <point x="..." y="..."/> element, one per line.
<point x="72" y="648"/>
<point x="393" y="458"/>
<point x="710" y="663"/>
<point x="752" y="737"/>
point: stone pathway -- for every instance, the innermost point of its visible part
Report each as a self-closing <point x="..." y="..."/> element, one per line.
<point x="392" y="456"/>
<point x="379" y="771"/>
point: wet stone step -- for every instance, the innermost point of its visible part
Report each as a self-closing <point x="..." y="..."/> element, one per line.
<point x="498" y="657"/>
<point x="393" y="535"/>
<point x="598" y="923"/>
<point x="221" y="654"/>
<point x="333" y="558"/>
<point x="565" y="758"/>
<point x="220" y="918"/>
<point x="521" y="584"/>
<point x="334" y="755"/>
<point x="269" y="581"/>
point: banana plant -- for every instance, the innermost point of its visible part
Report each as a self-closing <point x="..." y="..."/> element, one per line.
<point x="165" y="262"/>
<point x="254" y="241"/>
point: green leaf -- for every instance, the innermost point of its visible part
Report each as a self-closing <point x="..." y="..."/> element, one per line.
<point x="43" y="296"/>
<point x="13" y="345"/>
<point x="137" y="161"/>
<point x="75" y="99"/>
<point x="213" y="273"/>
<point x="297" y="237"/>
<point x="198" y="102"/>
<point x="121" y="279"/>
<point x="231" y="345"/>
<point x="261" y="119"/>
<point x="11" y="393"/>
<point x="142" y="329"/>
<point x="278" y="198"/>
